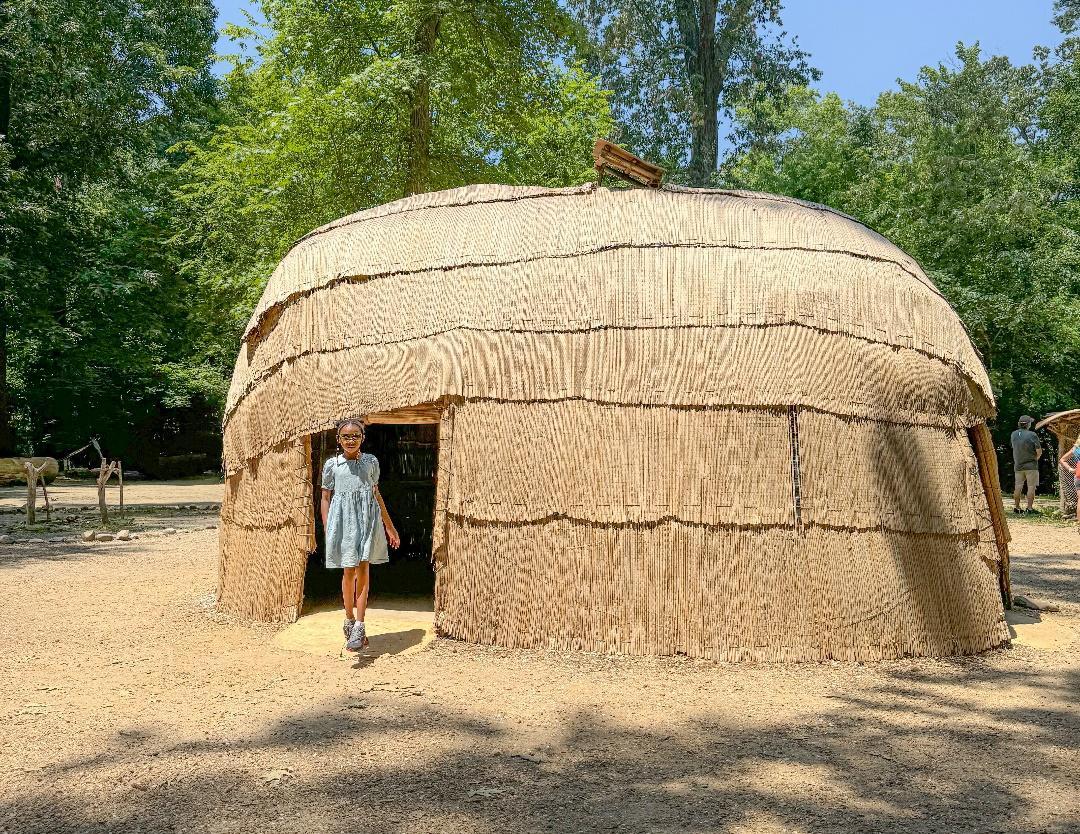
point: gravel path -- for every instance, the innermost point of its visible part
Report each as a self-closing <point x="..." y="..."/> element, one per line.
<point x="129" y="705"/>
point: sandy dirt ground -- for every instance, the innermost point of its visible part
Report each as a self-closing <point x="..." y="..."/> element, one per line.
<point x="68" y="494"/>
<point x="129" y="705"/>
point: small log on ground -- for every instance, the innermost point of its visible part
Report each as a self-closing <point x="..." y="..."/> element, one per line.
<point x="12" y="470"/>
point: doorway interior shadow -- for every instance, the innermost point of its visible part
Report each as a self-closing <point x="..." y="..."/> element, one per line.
<point x="408" y="460"/>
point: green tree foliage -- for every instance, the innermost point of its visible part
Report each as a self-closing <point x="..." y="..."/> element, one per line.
<point x="92" y="321"/>
<point x="143" y="204"/>
<point x="972" y="171"/>
<point x="1059" y="116"/>
<point x="357" y="104"/>
<point x="679" y="68"/>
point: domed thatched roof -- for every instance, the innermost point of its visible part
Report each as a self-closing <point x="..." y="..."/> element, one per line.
<point x="728" y="297"/>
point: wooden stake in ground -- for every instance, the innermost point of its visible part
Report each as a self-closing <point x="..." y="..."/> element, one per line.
<point x="48" y="507"/>
<point x="104" y="473"/>
<point x="32" y="474"/>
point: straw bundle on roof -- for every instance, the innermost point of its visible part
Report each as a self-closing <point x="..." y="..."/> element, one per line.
<point x="713" y="423"/>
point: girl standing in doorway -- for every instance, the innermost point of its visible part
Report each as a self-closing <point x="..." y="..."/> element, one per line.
<point x="356" y="523"/>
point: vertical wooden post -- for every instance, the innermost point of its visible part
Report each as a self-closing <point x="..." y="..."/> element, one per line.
<point x="1067" y="498"/>
<point x="31" y="493"/>
<point x="120" y="475"/>
<point x="440" y="530"/>
<point x="48" y="508"/>
<point x="32" y="473"/>
<point x="104" y="473"/>
<point x="983" y="444"/>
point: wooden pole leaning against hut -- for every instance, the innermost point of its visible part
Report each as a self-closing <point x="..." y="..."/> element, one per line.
<point x="983" y="445"/>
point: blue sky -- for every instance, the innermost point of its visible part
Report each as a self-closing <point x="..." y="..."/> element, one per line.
<point x="863" y="46"/>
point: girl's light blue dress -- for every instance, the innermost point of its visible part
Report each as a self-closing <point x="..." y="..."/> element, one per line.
<point x="354" y="528"/>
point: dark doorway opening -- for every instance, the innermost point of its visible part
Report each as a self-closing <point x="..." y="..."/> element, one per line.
<point x="408" y="457"/>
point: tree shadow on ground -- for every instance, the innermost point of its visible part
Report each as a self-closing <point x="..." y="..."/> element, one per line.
<point x="18" y="555"/>
<point x="1049" y="576"/>
<point x="900" y="756"/>
<point x="23" y="553"/>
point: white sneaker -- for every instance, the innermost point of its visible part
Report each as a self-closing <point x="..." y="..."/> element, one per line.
<point x="347" y="628"/>
<point x="357" y="637"/>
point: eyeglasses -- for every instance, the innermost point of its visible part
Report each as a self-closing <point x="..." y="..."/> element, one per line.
<point x="350" y="437"/>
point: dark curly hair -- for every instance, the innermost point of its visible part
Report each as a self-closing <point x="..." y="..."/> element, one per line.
<point x="351" y="421"/>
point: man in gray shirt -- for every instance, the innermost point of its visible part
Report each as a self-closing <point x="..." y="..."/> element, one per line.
<point x="1026" y="450"/>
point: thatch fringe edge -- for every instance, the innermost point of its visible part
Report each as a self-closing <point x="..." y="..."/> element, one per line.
<point x="323" y="425"/>
<point x="972" y="536"/>
<point x="465" y="196"/>
<point x="431" y="201"/>
<point x="949" y="362"/>
<point x="956" y="646"/>
<point x="258" y="328"/>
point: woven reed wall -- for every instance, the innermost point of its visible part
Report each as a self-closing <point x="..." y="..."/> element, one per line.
<point x="713" y="423"/>
<point x="267" y="529"/>
<point x="831" y="292"/>
<point x="689" y="366"/>
<point x="677" y="533"/>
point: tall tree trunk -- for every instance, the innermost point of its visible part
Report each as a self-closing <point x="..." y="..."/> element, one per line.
<point x="5" y="90"/>
<point x="707" y="54"/>
<point x="418" y="139"/>
<point x="705" y="138"/>
<point x="7" y="436"/>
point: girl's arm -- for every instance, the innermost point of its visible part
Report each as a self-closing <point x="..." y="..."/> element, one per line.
<point x="391" y="533"/>
<point x="325" y="505"/>
<point x="1070" y="469"/>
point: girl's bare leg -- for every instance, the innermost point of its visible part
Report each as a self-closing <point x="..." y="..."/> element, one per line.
<point x="361" y="593"/>
<point x="348" y="592"/>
